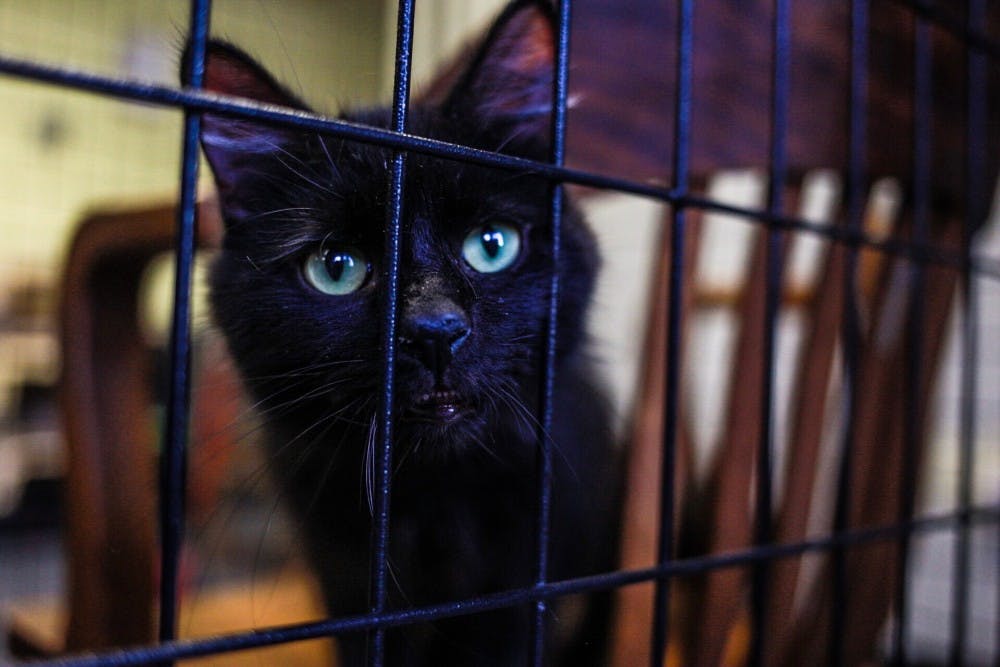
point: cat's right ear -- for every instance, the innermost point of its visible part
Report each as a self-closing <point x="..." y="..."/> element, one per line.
<point x="234" y="146"/>
<point x="509" y="79"/>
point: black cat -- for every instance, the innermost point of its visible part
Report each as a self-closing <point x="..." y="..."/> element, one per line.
<point x="299" y="292"/>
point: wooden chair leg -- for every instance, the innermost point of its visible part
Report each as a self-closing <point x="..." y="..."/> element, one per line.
<point x="880" y="444"/>
<point x="105" y="399"/>
<point x="631" y="637"/>
<point x="730" y="483"/>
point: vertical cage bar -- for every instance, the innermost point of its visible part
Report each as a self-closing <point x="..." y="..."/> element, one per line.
<point x="857" y="185"/>
<point x="975" y="167"/>
<point x="544" y="465"/>
<point x="173" y="461"/>
<point x="682" y="149"/>
<point x="914" y="372"/>
<point x="383" y="469"/>
<point x="777" y="172"/>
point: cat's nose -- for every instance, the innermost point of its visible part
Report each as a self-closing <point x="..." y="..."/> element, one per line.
<point x="432" y="333"/>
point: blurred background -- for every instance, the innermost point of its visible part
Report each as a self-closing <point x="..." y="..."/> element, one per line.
<point x="67" y="155"/>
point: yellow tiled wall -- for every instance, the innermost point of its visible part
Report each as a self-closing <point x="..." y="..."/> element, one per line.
<point x="65" y="152"/>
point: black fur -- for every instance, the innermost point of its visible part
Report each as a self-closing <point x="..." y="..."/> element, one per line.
<point x="464" y="487"/>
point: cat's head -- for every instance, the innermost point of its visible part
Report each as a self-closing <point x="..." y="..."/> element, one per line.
<point x="299" y="287"/>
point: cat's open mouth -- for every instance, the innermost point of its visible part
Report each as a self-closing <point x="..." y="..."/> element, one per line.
<point x="442" y="405"/>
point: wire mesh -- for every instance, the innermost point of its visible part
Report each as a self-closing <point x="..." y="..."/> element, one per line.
<point x="919" y="250"/>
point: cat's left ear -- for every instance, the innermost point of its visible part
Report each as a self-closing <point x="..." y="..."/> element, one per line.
<point x="510" y="78"/>
<point x="234" y="146"/>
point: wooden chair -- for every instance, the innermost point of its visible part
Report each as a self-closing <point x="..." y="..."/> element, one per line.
<point x="710" y="611"/>
<point x="623" y="69"/>
<point x="111" y="438"/>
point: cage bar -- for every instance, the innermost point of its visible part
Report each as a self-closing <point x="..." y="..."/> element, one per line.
<point x="975" y="167"/>
<point x="913" y="411"/>
<point x="394" y="214"/>
<point x="777" y="174"/>
<point x="544" y="464"/>
<point x="174" y="456"/>
<point x="682" y="150"/>
<point x="179" y="649"/>
<point x="972" y="37"/>
<point x="171" y="97"/>
<point x="850" y="334"/>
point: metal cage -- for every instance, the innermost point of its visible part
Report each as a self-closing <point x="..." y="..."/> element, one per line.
<point x="982" y="52"/>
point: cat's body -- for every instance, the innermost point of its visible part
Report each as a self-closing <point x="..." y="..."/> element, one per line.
<point x="461" y="526"/>
<point x="298" y="291"/>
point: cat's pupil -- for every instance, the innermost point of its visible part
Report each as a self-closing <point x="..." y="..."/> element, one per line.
<point x="492" y="241"/>
<point x="336" y="264"/>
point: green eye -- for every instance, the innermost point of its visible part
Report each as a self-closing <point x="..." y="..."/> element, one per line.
<point x="336" y="271"/>
<point x="492" y="247"/>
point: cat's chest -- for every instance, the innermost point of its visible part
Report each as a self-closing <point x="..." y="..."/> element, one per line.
<point x="466" y="537"/>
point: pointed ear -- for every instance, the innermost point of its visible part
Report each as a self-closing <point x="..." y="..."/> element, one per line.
<point x="235" y="146"/>
<point x="509" y="80"/>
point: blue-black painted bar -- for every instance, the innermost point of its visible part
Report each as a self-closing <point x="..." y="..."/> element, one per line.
<point x="282" y="117"/>
<point x="774" y="261"/>
<point x="975" y="192"/>
<point x="914" y="372"/>
<point x="544" y="464"/>
<point x="238" y="108"/>
<point x="394" y="214"/>
<point x="971" y="39"/>
<point x="850" y="333"/>
<point x="176" y="650"/>
<point x="173" y="461"/>
<point x="923" y="253"/>
<point x="682" y="151"/>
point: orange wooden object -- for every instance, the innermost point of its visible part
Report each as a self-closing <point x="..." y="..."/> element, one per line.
<point x="110" y="432"/>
